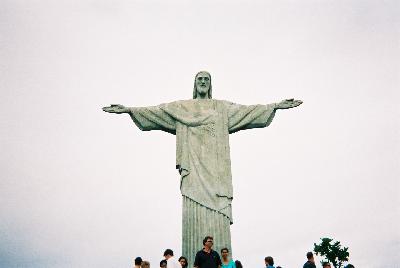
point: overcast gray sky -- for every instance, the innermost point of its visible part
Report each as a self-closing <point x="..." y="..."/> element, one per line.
<point x="82" y="188"/>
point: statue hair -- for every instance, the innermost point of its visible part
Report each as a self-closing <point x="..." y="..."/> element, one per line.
<point x="195" y="87"/>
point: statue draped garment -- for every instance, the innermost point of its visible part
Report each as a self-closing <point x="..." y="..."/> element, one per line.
<point x="202" y="129"/>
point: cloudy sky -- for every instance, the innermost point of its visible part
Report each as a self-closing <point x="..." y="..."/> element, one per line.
<point x="82" y="188"/>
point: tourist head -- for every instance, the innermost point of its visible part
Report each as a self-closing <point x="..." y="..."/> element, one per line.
<point x="225" y="253"/>
<point x="138" y="261"/>
<point x="202" y="85"/>
<point x="310" y="256"/>
<point x="238" y="264"/>
<point x="183" y="261"/>
<point x="349" y="266"/>
<point x="145" y="264"/>
<point x="269" y="261"/>
<point x="168" y="253"/>
<point x="163" y="264"/>
<point x="326" y="265"/>
<point x="208" y="241"/>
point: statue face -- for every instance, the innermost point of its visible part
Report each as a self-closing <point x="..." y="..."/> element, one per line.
<point x="203" y="83"/>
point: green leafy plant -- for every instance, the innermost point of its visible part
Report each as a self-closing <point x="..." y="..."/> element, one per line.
<point x="332" y="252"/>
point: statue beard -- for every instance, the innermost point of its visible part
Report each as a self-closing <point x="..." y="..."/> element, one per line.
<point x="203" y="91"/>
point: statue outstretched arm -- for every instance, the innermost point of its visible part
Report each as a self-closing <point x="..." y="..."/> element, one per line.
<point x="116" y="109"/>
<point x="146" y="118"/>
<point x="287" y="104"/>
<point x="241" y="117"/>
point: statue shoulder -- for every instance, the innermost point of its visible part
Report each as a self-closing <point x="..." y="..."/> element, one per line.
<point x="194" y="102"/>
<point x="225" y="103"/>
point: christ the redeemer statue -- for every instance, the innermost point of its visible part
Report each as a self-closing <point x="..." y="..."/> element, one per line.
<point x="202" y="127"/>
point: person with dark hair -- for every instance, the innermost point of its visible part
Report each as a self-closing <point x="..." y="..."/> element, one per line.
<point x="183" y="261"/>
<point x="171" y="261"/>
<point x="206" y="239"/>
<point x="310" y="261"/>
<point x="349" y="266"/>
<point x="269" y="262"/>
<point x="226" y="261"/>
<point x="207" y="258"/>
<point x="168" y="252"/>
<point x="163" y="263"/>
<point x="238" y="264"/>
<point x="138" y="262"/>
<point x="326" y="265"/>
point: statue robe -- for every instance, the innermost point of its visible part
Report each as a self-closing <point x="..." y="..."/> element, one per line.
<point x="202" y="129"/>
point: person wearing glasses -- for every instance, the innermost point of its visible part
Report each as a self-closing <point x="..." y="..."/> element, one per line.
<point x="207" y="257"/>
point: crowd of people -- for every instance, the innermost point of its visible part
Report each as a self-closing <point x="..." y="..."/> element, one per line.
<point x="209" y="258"/>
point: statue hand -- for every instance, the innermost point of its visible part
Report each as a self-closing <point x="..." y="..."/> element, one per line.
<point x="116" y="109"/>
<point x="288" y="103"/>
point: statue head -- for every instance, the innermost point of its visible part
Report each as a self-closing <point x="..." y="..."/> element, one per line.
<point x="202" y="86"/>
